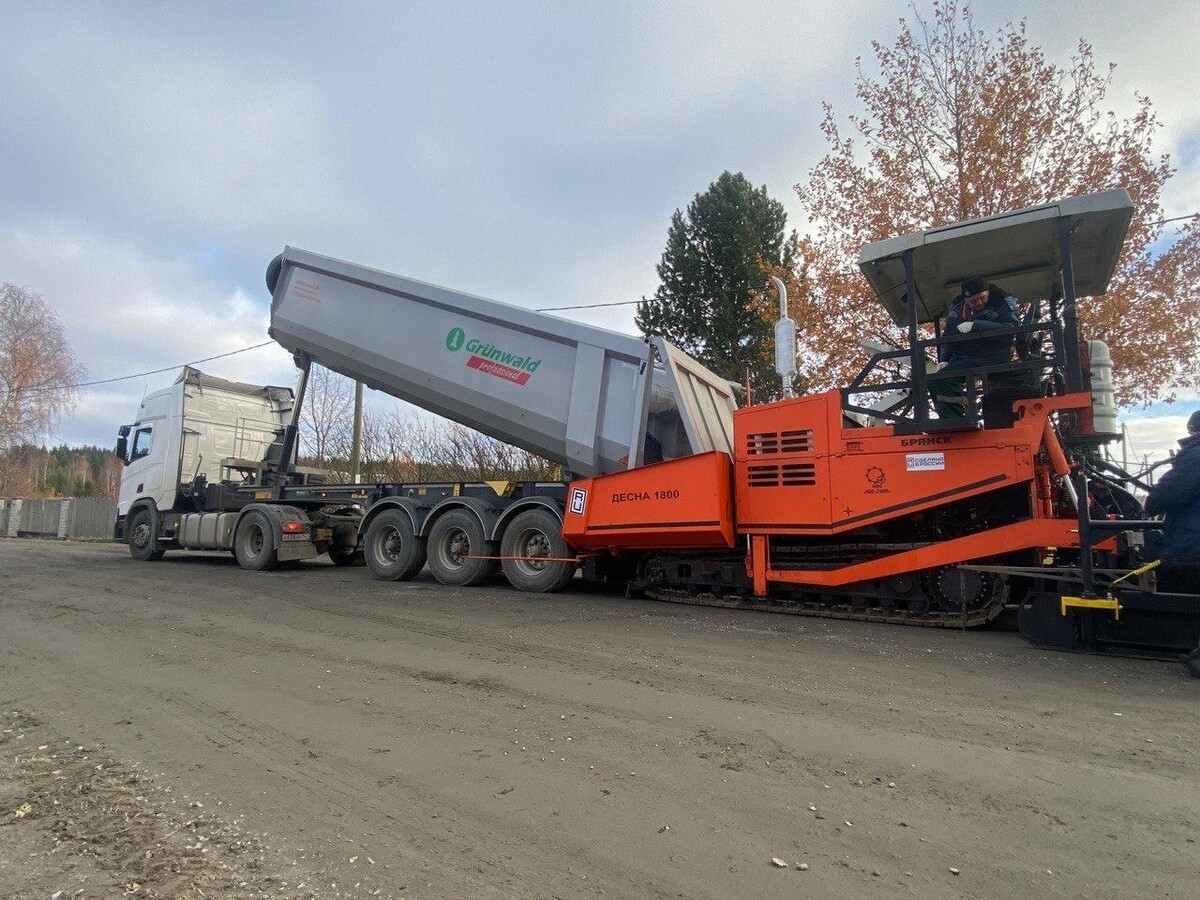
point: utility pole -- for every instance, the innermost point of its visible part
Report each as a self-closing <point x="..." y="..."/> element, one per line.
<point x="356" y="435"/>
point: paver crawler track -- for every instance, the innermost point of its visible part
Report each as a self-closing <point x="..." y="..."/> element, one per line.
<point x="974" y="619"/>
<point x="939" y="600"/>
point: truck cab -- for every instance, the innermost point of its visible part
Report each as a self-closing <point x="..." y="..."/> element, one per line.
<point x="197" y="432"/>
<point x="144" y="447"/>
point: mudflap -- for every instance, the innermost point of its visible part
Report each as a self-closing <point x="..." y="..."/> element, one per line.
<point x="1150" y="624"/>
<point x="291" y="551"/>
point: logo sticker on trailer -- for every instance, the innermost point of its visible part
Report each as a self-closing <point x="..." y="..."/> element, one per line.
<point x="925" y="462"/>
<point x="492" y="360"/>
<point x="578" y="500"/>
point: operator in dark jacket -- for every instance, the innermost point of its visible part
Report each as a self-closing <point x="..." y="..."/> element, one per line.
<point x="981" y="308"/>
<point x="1177" y="495"/>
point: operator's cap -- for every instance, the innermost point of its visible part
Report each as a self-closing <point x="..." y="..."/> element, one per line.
<point x="973" y="285"/>
<point x="1194" y="423"/>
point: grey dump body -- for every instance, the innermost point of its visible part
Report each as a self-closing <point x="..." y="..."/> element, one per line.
<point x="1019" y="251"/>
<point x="575" y="394"/>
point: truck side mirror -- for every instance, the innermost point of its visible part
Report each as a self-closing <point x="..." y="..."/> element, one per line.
<point x="122" y="449"/>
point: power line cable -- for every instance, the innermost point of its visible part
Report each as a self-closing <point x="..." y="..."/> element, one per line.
<point x="634" y="302"/>
<point x="1176" y="219"/>
<point x="877" y="295"/>
<point x="86" y="384"/>
<point x="586" y="306"/>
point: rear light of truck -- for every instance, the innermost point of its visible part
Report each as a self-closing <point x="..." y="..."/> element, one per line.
<point x="293" y="527"/>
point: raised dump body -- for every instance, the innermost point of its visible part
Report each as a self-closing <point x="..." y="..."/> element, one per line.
<point x="575" y="394"/>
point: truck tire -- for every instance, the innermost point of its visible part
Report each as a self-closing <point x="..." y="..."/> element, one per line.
<point x="340" y="556"/>
<point x="456" y="542"/>
<point x="254" y="543"/>
<point x="529" y="540"/>
<point x="143" y="536"/>
<point x="1193" y="663"/>
<point x="392" y="551"/>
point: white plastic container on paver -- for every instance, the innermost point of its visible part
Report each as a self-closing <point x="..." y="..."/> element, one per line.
<point x="1104" y="403"/>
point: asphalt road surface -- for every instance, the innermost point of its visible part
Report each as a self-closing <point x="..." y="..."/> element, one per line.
<point x="185" y="728"/>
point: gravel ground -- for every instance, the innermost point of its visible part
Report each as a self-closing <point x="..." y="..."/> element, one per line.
<point x="188" y="729"/>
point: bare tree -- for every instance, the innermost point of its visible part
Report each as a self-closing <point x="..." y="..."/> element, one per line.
<point x="404" y="447"/>
<point x="408" y="448"/>
<point x="327" y="419"/>
<point x="30" y="471"/>
<point x="38" y="368"/>
<point x="413" y="448"/>
<point x="108" y="479"/>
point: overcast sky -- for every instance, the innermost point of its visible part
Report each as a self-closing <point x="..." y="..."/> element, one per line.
<point x="155" y="157"/>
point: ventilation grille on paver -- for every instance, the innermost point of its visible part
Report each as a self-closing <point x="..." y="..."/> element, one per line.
<point x="786" y="475"/>
<point x="765" y="442"/>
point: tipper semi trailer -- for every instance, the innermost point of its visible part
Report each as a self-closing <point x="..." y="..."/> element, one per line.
<point x="861" y="502"/>
<point x="210" y="464"/>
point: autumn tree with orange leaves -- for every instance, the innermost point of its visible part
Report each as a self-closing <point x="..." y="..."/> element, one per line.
<point x="960" y="124"/>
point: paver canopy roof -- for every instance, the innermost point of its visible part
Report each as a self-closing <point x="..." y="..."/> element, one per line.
<point x="1017" y="250"/>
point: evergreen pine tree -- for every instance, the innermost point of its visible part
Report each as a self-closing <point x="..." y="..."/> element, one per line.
<point x="714" y="300"/>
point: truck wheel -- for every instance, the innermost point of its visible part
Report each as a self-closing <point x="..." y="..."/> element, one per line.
<point x="533" y="549"/>
<point x="343" y="557"/>
<point x="455" y="543"/>
<point x="254" y="543"/>
<point x="143" y="536"/>
<point x="392" y="551"/>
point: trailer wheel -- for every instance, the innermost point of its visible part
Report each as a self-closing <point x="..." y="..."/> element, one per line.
<point x="392" y="551"/>
<point x="143" y="536"/>
<point x="456" y="542"/>
<point x="254" y="543"/>
<point x="533" y="550"/>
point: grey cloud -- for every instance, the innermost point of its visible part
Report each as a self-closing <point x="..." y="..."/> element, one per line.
<point x="157" y="157"/>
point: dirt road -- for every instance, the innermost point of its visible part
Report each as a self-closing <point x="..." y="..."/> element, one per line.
<point x="318" y="733"/>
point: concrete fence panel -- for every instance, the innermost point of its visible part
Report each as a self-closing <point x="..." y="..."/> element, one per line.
<point x="91" y="519"/>
<point x="86" y="519"/>
<point x="39" y="518"/>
